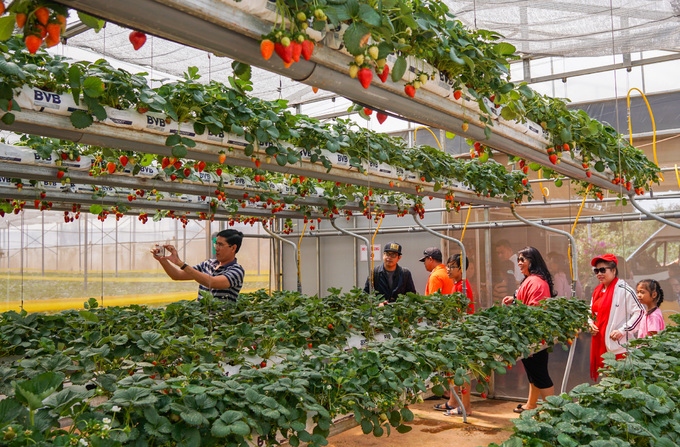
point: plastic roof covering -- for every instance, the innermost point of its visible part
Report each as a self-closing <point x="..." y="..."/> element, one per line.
<point x="576" y="27"/>
<point x="537" y="28"/>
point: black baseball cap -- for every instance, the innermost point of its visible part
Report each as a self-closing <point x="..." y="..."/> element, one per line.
<point x="393" y="247"/>
<point x="432" y="252"/>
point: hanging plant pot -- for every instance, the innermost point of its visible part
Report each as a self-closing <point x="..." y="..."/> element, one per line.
<point x="259" y="8"/>
<point x="439" y="84"/>
<point x="333" y="39"/>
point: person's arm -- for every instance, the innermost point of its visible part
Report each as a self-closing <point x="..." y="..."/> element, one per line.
<point x="635" y="308"/>
<point x="171" y="264"/>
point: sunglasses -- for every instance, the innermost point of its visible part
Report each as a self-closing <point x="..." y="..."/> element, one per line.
<point x="521" y="259"/>
<point x="601" y="270"/>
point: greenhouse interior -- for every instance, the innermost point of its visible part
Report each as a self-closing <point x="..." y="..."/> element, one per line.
<point x="206" y="205"/>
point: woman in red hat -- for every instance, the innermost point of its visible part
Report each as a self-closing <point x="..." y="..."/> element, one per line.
<point x="617" y="312"/>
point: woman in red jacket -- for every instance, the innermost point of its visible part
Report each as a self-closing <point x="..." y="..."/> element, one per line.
<point x="536" y="286"/>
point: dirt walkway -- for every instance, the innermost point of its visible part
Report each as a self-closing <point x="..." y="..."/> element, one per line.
<point x="491" y="421"/>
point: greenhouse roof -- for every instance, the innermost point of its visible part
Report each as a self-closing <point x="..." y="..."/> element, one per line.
<point x="538" y="29"/>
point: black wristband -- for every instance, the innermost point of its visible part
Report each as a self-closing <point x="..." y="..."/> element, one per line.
<point x="185" y="265"/>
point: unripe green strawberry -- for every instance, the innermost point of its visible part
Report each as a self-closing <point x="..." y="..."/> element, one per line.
<point x="373" y="52"/>
<point x="359" y="59"/>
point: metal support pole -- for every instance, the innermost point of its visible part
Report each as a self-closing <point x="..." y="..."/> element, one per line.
<point x="463" y="257"/>
<point x="368" y="245"/>
<point x="572" y="242"/>
<point x="295" y="251"/>
<point x="652" y="215"/>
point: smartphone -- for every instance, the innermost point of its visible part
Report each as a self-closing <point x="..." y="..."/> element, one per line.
<point x="159" y="250"/>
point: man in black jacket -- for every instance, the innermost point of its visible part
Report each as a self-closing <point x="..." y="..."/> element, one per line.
<point x="389" y="279"/>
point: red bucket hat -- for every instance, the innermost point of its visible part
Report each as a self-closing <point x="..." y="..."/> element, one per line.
<point x="606" y="258"/>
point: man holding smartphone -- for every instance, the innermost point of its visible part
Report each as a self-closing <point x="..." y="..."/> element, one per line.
<point x="221" y="276"/>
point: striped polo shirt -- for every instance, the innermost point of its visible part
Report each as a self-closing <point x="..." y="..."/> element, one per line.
<point x="234" y="273"/>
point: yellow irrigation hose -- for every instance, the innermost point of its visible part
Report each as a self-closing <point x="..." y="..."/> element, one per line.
<point x="467" y="219"/>
<point x="573" y="229"/>
<point x="651" y="115"/>
<point x="677" y="175"/>
<point x="375" y="233"/>
<point x="415" y="136"/>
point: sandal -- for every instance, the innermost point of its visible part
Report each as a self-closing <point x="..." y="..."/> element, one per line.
<point x="519" y="409"/>
<point x="455" y="412"/>
<point x="444" y="407"/>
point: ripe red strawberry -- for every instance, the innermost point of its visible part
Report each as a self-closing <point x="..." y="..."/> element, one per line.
<point x="20" y="19"/>
<point x="588" y="173"/>
<point x="410" y="90"/>
<point x="42" y="15"/>
<point x="123" y="160"/>
<point x="457" y="94"/>
<point x="137" y="39"/>
<point x="266" y="49"/>
<point x="54" y="30"/>
<point x="200" y="166"/>
<point x="381" y="117"/>
<point x="257" y="162"/>
<point x="111" y="167"/>
<point x="284" y="52"/>
<point x="36" y="203"/>
<point x="307" y="49"/>
<point x="525" y="181"/>
<point x="297" y="50"/>
<point x="218" y="171"/>
<point x="165" y="162"/>
<point x="33" y="43"/>
<point x="177" y="164"/>
<point x="187" y="172"/>
<point x="553" y="159"/>
<point x="565" y="147"/>
<point x="173" y="177"/>
<point x="385" y="72"/>
<point x="368" y="111"/>
<point x="263" y="363"/>
<point x="365" y="76"/>
<point x="525" y="169"/>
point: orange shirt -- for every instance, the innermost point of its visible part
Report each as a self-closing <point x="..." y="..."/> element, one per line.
<point x="439" y="281"/>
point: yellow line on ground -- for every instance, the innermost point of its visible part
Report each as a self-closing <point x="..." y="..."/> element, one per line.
<point x="56" y="305"/>
<point x="94" y="278"/>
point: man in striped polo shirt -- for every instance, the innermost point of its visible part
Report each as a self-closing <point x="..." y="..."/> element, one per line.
<point x="221" y="276"/>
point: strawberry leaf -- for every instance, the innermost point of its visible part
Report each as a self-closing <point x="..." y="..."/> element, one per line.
<point x="353" y="36"/>
<point x="399" y="69"/>
<point x="81" y="119"/>
<point x="6" y="27"/>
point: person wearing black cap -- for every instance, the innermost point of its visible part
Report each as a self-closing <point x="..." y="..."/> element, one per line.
<point x="390" y="279"/>
<point x="439" y="280"/>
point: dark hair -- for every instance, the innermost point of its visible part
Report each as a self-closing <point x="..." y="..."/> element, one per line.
<point x="537" y="266"/>
<point x="455" y="259"/>
<point x="652" y="285"/>
<point x="233" y="237"/>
